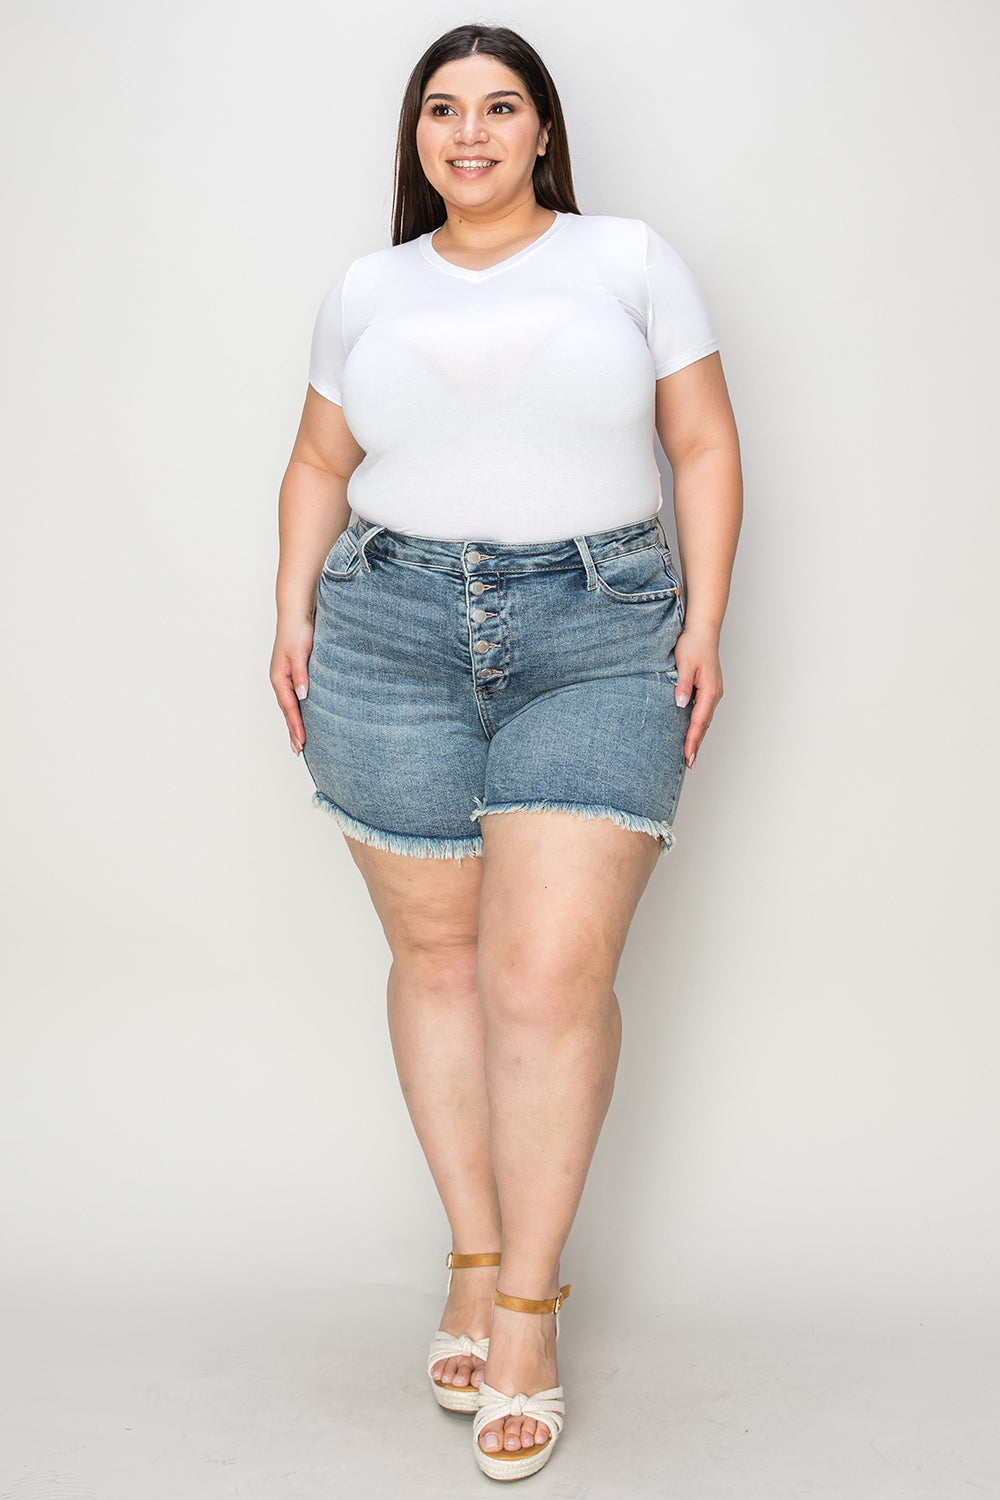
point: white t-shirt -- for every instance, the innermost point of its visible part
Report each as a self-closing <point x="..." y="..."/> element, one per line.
<point x="514" y="404"/>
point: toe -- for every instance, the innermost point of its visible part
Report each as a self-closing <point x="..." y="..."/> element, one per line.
<point x="512" y="1435"/>
<point x="528" y="1438"/>
<point x="489" y="1438"/>
<point x="462" y="1373"/>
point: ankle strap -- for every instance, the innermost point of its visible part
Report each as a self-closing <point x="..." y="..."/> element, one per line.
<point x="525" y="1305"/>
<point x="463" y="1262"/>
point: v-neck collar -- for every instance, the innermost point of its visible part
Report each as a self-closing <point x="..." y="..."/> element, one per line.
<point x="465" y="274"/>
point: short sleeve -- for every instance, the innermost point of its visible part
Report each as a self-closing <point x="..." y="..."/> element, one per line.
<point x="678" y="327"/>
<point x="328" y="352"/>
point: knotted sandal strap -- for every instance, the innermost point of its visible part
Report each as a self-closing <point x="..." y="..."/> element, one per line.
<point x="455" y="1346"/>
<point x="544" y="1406"/>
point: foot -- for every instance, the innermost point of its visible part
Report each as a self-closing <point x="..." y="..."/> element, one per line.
<point x="467" y="1310"/>
<point x="522" y="1359"/>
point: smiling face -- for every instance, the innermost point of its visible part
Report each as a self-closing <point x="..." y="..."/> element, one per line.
<point x="479" y="135"/>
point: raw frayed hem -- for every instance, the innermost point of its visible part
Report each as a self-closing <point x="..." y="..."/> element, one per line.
<point x="399" y="843"/>
<point x="632" y="821"/>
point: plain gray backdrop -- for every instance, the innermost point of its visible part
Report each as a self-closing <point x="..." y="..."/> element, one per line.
<point x="197" y="1087"/>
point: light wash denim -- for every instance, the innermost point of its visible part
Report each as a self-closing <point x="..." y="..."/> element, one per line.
<point x="453" y="679"/>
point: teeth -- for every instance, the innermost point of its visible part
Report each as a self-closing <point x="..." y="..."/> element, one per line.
<point x="468" y="164"/>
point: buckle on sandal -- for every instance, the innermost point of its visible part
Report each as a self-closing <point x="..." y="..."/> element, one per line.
<point x="563" y="1294"/>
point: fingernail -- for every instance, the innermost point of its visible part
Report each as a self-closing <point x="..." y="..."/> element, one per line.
<point x="296" y="747"/>
<point x="681" y="700"/>
<point x="300" y="691"/>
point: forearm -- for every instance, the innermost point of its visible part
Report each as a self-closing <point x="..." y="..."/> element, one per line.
<point x="708" y="505"/>
<point x="313" y="510"/>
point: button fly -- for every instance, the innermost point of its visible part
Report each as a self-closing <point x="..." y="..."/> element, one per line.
<point x="477" y="587"/>
<point x="482" y="646"/>
<point x="479" y="615"/>
<point x="473" y="557"/>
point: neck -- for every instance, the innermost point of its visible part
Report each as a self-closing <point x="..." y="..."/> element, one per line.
<point x="467" y="229"/>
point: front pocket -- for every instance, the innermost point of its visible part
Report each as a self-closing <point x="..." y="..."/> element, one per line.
<point x="343" y="558"/>
<point x="645" y="574"/>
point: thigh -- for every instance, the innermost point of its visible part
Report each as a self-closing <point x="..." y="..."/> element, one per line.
<point x="558" y="895"/>
<point x="424" y="905"/>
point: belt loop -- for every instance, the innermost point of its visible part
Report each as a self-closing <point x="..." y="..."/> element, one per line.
<point x="588" y="561"/>
<point x="363" y="542"/>
<point x="661" y="533"/>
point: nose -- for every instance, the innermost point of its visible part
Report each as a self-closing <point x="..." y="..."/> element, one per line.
<point x="470" y="128"/>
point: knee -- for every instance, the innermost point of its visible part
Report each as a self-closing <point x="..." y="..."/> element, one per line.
<point x="440" y="966"/>
<point x="548" y="990"/>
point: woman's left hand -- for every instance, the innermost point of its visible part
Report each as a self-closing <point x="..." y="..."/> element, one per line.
<point x="699" y="675"/>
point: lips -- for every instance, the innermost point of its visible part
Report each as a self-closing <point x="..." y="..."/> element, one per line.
<point x="470" y="164"/>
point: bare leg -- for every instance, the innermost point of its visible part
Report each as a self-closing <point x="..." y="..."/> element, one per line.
<point x="558" y="895"/>
<point x="429" y="910"/>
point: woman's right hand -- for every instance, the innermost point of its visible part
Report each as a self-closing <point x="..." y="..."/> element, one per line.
<point x="313" y="510"/>
<point x="289" y="672"/>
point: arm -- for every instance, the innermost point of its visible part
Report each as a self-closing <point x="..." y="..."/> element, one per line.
<point x="695" y="424"/>
<point x="313" y="510"/>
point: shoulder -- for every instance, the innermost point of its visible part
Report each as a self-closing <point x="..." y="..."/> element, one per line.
<point x="629" y="237"/>
<point x="386" y="259"/>
<point x="616" y="251"/>
<point x="623" y="248"/>
<point x="610" y="232"/>
<point x="369" y="271"/>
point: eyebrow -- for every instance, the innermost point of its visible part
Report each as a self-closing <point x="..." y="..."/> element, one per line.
<point x="497" y="94"/>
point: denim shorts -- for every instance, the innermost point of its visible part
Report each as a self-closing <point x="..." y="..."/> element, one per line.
<point x="450" y="679"/>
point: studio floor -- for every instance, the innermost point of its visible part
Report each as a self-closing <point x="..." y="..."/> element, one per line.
<point x="320" y="1393"/>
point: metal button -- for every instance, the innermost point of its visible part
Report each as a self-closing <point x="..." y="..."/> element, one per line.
<point x="482" y="646"/>
<point x="473" y="557"/>
<point x="477" y="587"/>
<point x="479" y="615"/>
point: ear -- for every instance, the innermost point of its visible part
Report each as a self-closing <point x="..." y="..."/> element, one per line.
<point x="544" y="141"/>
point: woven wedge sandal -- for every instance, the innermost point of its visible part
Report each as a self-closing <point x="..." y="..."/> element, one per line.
<point x="545" y="1406"/>
<point x="457" y="1345"/>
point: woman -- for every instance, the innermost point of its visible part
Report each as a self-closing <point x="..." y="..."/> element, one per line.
<point x="499" y="634"/>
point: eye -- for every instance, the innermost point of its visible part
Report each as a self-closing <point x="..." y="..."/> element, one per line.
<point x="437" y="108"/>
<point x="502" y="104"/>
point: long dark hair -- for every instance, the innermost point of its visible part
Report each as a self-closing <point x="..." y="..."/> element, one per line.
<point x="416" y="206"/>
